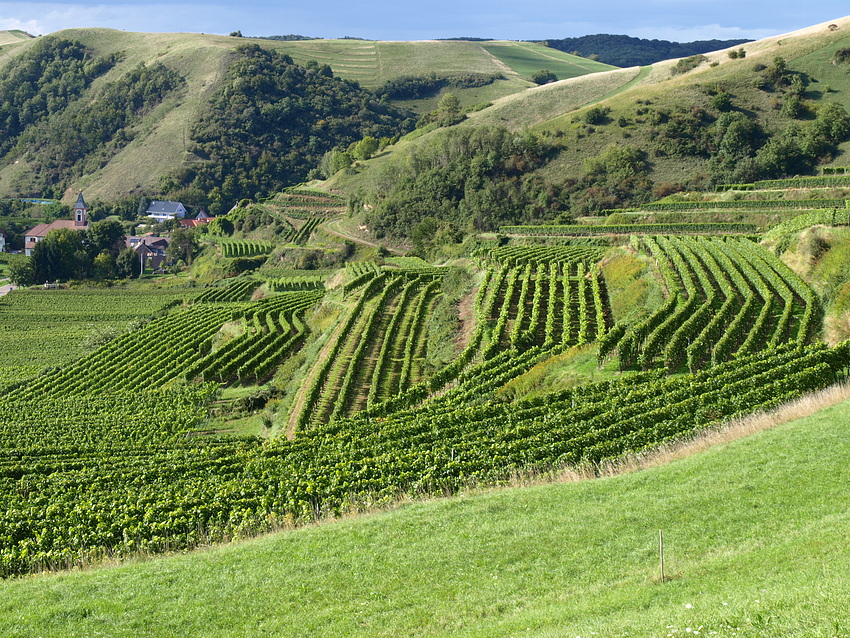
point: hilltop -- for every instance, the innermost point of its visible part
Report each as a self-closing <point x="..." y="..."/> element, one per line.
<point x="155" y="141"/>
<point x="14" y="37"/>
<point x="625" y="137"/>
<point x="625" y="51"/>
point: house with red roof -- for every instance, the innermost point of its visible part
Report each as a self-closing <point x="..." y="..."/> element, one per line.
<point x="37" y="233"/>
<point x="201" y="218"/>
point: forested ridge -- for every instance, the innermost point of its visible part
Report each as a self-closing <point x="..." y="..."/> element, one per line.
<point x="271" y="122"/>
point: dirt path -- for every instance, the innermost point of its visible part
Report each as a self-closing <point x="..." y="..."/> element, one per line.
<point x="333" y="228"/>
<point x="5" y="288"/>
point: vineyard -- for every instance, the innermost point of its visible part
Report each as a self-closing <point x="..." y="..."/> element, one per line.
<point x="106" y="447"/>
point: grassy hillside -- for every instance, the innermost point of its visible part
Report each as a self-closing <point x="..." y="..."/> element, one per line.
<point x="671" y="117"/>
<point x="161" y="142"/>
<point x="754" y="546"/>
<point x="13" y="37"/>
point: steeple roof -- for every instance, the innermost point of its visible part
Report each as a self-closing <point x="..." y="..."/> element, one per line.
<point x="81" y="203"/>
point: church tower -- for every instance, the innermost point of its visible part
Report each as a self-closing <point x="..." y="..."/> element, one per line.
<point x="80" y="210"/>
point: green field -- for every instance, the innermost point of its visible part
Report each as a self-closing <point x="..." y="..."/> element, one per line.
<point x="45" y="328"/>
<point x="755" y="545"/>
<point x="525" y="58"/>
<point x="13" y="37"/>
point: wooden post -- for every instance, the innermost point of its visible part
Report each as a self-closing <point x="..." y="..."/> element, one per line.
<point x="661" y="552"/>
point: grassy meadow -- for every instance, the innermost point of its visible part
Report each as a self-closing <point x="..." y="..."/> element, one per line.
<point x="13" y="37"/>
<point x="525" y="58"/>
<point x="755" y="545"/>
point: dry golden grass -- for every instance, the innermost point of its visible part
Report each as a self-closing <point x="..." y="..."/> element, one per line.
<point x="543" y="103"/>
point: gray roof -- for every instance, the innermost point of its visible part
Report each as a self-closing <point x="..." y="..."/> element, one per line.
<point x="81" y="203"/>
<point x="164" y="207"/>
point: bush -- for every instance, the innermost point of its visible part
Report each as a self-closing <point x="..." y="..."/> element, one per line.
<point x="544" y="76"/>
<point x="688" y="64"/>
<point x="596" y="115"/>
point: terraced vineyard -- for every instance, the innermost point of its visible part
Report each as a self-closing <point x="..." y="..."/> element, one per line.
<point x="109" y="454"/>
<point x="725" y="298"/>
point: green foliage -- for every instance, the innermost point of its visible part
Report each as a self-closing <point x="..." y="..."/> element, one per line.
<point x="544" y="76"/>
<point x="747" y="154"/>
<point x="335" y="161"/>
<point x="82" y="138"/>
<point x="616" y="176"/>
<point x="596" y="115"/>
<point x="417" y="87"/>
<point x="841" y="56"/>
<point x="42" y="82"/>
<point x="689" y="64"/>
<point x="626" y="51"/>
<point x="183" y="245"/>
<point x="61" y="255"/>
<point x="449" y="104"/>
<point x="271" y="123"/>
<point x="128" y="264"/>
<point x="722" y="101"/>
<point x="469" y="177"/>
<point x="21" y="271"/>
<point x="365" y="148"/>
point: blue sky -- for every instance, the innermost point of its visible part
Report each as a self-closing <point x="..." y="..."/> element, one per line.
<point x="678" y="20"/>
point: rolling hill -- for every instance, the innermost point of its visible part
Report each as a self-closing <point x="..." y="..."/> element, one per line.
<point x="160" y="135"/>
<point x="666" y="124"/>
<point x="13" y="37"/>
<point x="291" y="369"/>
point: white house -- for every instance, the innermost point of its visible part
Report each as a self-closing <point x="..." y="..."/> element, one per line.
<point x="163" y="211"/>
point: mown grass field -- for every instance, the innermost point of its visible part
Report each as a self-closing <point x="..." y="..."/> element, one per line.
<point x="12" y="37"/>
<point x="755" y="545"/>
<point x="525" y="58"/>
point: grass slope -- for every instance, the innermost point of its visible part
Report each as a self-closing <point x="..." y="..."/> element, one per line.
<point x="525" y="58"/>
<point x="540" y="104"/>
<point x="755" y="545"/>
<point x="635" y="94"/>
<point x="161" y="137"/>
<point x="13" y="37"/>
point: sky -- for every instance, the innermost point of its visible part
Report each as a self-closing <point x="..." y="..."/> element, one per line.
<point x="676" y="20"/>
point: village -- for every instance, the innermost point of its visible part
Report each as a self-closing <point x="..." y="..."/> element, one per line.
<point x="161" y="218"/>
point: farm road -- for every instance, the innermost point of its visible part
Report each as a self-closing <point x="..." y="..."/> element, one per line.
<point x="4" y="288"/>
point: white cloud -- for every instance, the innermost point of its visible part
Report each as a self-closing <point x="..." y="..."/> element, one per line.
<point x="45" y="18"/>
<point x="15" y="24"/>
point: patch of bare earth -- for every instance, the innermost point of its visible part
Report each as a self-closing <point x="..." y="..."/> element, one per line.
<point x="466" y="318"/>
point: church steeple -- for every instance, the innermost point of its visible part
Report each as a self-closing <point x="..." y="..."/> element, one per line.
<point x="80" y="210"/>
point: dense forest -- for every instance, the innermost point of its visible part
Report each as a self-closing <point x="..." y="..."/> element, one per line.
<point x="42" y="83"/>
<point x="271" y="122"/>
<point x="462" y="179"/>
<point x="83" y="137"/>
<point x="626" y="51"/>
